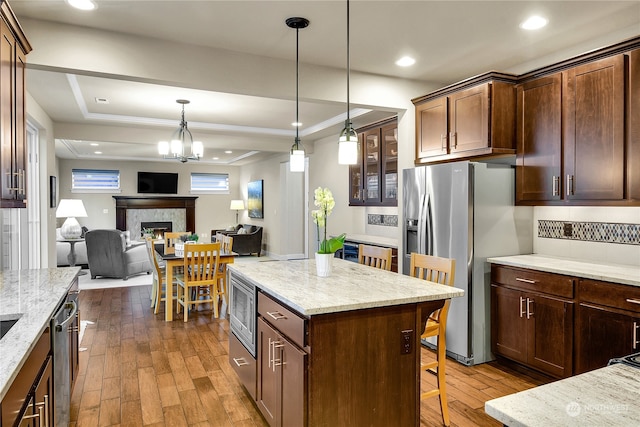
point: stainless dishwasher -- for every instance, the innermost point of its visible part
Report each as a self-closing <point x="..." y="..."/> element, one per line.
<point x="62" y="326"/>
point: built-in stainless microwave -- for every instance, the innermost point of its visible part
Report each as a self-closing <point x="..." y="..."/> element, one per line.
<point x="242" y="311"/>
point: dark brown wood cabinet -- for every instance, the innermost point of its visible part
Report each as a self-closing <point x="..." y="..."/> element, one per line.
<point x="13" y="50"/>
<point x="593" y="114"/>
<point x="539" y="139"/>
<point x="608" y="323"/>
<point x="374" y="180"/>
<point x="578" y="132"/>
<point x="532" y="319"/>
<point x="472" y="119"/>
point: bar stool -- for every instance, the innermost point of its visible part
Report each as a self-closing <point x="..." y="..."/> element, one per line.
<point x="442" y="271"/>
<point x="375" y="256"/>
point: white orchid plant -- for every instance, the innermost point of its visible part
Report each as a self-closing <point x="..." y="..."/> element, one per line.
<point x="323" y="199"/>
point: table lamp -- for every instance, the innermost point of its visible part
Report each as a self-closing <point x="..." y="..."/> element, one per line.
<point x="70" y="209"/>
<point x="237" y="205"/>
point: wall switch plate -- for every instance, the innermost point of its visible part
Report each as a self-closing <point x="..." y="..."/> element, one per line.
<point x="568" y="229"/>
<point x="407" y="341"/>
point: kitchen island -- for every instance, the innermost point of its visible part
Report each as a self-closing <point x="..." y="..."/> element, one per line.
<point x="338" y="350"/>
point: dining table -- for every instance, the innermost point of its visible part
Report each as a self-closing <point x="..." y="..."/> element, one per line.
<point x="172" y="261"/>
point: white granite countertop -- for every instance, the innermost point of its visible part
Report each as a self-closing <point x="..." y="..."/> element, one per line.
<point x="616" y="273"/>
<point x="387" y="242"/>
<point x="351" y="286"/>
<point x="35" y="294"/>
<point x="605" y="397"/>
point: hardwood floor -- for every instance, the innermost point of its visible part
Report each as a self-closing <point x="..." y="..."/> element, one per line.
<point x="136" y="369"/>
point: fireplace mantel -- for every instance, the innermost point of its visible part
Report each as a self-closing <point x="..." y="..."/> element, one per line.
<point x="134" y="202"/>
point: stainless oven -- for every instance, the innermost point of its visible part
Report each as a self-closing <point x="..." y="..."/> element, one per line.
<point x="242" y="311"/>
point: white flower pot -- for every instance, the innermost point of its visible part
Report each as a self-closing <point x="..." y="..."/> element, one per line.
<point x="323" y="264"/>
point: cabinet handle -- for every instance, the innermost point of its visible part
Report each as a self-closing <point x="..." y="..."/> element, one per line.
<point x="521" y="307"/>
<point x="531" y="281"/>
<point x="240" y="361"/>
<point x="21" y="182"/>
<point x="556" y="186"/>
<point x="443" y="142"/>
<point x="269" y="358"/>
<point x="569" y="185"/>
<point x="277" y="362"/>
<point x="44" y="416"/>
<point x="529" y="312"/>
<point x="635" y="335"/>
<point x="453" y="139"/>
<point x="633" y="301"/>
<point x="276" y="315"/>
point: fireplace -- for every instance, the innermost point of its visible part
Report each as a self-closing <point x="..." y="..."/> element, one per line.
<point x="123" y="203"/>
<point x="158" y="227"/>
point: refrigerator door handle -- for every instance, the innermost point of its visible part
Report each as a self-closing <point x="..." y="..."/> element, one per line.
<point x="421" y="225"/>
<point x="427" y="227"/>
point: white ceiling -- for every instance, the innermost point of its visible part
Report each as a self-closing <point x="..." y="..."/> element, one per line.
<point x="450" y="40"/>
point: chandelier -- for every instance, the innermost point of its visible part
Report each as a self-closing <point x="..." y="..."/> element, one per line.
<point x="180" y="140"/>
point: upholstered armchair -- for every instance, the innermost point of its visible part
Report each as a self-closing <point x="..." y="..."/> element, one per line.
<point x="247" y="239"/>
<point x="109" y="255"/>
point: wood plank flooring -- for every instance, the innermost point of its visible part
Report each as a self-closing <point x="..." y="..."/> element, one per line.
<point x="136" y="369"/>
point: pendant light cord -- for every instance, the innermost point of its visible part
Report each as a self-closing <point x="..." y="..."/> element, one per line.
<point x="348" y="63"/>
<point x="297" y="84"/>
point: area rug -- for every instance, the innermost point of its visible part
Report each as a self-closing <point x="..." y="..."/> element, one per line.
<point x="86" y="282"/>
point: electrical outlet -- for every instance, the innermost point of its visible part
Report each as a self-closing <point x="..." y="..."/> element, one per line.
<point x="407" y="341"/>
<point x="568" y="229"/>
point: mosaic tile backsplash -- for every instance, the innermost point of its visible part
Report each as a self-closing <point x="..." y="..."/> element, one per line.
<point x="388" y="220"/>
<point x="605" y="232"/>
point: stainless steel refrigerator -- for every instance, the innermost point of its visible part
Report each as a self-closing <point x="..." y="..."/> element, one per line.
<point x="465" y="211"/>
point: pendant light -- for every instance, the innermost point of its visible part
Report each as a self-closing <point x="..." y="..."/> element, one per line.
<point x="348" y="141"/>
<point x="181" y="139"/>
<point x="296" y="157"/>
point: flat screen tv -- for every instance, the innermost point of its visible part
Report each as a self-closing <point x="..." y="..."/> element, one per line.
<point x="157" y="182"/>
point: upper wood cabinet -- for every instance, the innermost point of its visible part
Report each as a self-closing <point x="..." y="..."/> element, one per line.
<point x="373" y="181"/>
<point x="473" y="119"/>
<point x="13" y="50"/>
<point x="578" y="132"/>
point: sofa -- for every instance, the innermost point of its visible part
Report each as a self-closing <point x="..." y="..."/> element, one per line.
<point x="247" y="238"/>
<point x="63" y="248"/>
<point x="111" y="254"/>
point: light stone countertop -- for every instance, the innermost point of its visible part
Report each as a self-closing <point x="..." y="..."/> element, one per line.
<point x="608" y="396"/>
<point x="35" y="294"/>
<point x="387" y="242"/>
<point x="350" y="286"/>
<point x="616" y="273"/>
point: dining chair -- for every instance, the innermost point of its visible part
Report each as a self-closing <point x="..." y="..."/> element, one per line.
<point x="170" y="239"/>
<point x="201" y="264"/>
<point x="442" y="271"/>
<point x="226" y="246"/>
<point x="375" y="256"/>
<point x="159" y="286"/>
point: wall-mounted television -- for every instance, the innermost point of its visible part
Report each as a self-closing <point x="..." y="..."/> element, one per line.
<point x="158" y="182"/>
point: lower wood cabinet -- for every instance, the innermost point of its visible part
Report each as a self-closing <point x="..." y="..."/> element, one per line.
<point x="608" y="323"/>
<point x="531" y="319"/>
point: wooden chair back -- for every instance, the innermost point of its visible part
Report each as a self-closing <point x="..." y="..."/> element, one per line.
<point x="201" y="263"/>
<point x="170" y="239"/>
<point x="375" y="256"/>
<point x="226" y="243"/>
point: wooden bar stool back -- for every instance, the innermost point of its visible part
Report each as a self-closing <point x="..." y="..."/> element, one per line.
<point x="201" y="264"/>
<point x="442" y="271"/>
<point x="226" y="247"/>
<point x="375" y="256"/>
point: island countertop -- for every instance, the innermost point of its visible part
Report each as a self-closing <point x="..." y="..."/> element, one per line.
<point x="35" y="295"/>
<point x="350" y="286"/>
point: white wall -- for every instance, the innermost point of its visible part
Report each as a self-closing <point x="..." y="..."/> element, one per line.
<point x="591" y="251"/>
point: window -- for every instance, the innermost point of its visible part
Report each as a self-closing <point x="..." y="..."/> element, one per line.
<point x="210" y="183"/>
<point x="95" y="180"/>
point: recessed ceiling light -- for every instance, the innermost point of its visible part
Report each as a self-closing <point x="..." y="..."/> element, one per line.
<point x="228" y="152"/>
<point x="534" y="23"/>
<point x="296" y="124"/>
<point x="82" y="4"/>
<point x="102" y="100"/>
<point x="97" y="152"/>
<point x="94" y="144"/>
<point x="216" y="158"/>
<point x="405" y="61"/>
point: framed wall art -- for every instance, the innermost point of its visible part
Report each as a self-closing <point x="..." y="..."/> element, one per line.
<point x="255" y="199"/>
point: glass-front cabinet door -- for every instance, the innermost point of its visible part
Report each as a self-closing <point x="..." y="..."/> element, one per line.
<point x="389" y="174"/>
<point x="372" y="165"/>
<point x="355" y="178"/>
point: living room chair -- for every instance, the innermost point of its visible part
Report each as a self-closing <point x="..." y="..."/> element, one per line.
<point x="442" y="271"/>
<point x="201" y="265"/>
<point x="108" y="255"/>
<point x="375" y="256"/>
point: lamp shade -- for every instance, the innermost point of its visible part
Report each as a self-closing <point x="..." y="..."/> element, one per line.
<point x="71" y="208"/>
<point x="237" y="205"/>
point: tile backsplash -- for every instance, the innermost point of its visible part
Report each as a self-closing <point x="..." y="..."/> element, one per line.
<point x="590" y="231"/>
<point x="386" y="220"/>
